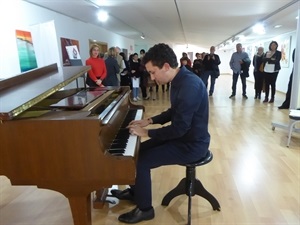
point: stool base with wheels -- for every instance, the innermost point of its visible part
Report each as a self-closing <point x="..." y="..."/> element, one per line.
<point x="190" y="186"/>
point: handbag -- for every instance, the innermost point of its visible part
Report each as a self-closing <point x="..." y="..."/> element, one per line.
<point x="269" y="68"/>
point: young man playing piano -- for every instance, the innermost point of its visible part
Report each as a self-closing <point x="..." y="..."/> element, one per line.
<point x="185" y="140"/>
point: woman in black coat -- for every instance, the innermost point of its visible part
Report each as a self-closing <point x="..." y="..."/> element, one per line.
<point x="125" y="79"/>
<point x="271" y="69"/>
<point x="258" y="74"/>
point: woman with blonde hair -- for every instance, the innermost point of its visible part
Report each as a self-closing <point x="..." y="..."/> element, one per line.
<point x="97" y="73"/>
<point x="112" y="68"/>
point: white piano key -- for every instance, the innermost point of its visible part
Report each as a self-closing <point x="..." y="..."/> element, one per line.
<point x="132" y="140"/>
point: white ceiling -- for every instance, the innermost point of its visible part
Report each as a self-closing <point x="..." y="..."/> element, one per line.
<point x="188" y="22"/>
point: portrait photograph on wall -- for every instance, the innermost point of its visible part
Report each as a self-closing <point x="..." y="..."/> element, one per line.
<point x="27" y="57"/>
<point x="64" y="43"/>
<point x="284" y="45"/>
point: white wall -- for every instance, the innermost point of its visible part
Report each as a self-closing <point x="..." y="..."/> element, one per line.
<point x="16" y="14"/>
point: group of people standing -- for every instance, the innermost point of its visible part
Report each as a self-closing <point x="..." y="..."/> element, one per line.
<point x="205" y="66"/>
<point x="114" y="70"/>
<point x="104" y="72"/>
<point x="266" y="69"/>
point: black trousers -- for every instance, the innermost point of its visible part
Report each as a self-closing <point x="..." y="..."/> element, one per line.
<point x="235" y="77"/>
<point x="287" y="100"/>
<point x="155" y="153"/>
<point x="258" y="82"/>
<point x="143" y="85"/>
<point x="270" y="81"/>
<point x="90" y="82"/>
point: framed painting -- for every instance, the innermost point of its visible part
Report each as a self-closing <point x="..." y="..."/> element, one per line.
<point x="26" y="51"/>
<point x="284" y="45"/>
<point x="64" y="43"/>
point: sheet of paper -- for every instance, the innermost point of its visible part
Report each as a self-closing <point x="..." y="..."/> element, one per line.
<point x="136" y="82"/>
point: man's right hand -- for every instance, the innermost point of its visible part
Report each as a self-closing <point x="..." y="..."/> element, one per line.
<point x="140" y="123"/>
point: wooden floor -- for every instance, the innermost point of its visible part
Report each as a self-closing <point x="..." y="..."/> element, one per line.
<point x="254" y="176"/>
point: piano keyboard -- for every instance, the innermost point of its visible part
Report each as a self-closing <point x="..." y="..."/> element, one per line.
<point x="124" y="143"/>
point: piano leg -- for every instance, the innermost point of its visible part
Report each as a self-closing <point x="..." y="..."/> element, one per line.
<point x="81" y="209"/>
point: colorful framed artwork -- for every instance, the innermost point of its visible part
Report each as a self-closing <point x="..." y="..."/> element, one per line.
<point x="27" y="57"/>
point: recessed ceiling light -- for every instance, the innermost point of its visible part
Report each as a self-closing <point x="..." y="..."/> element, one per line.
<point x="259" y="29"/>
<point x="277" y="26"/>
<point x="102" y="15"/>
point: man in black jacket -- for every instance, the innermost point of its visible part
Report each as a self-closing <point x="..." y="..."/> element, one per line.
<point x="211" y="64"/>
<point x="286" y="103"/>
<point x="185" y="139"/>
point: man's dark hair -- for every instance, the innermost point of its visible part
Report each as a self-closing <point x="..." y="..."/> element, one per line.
<point x="184" y="58"/>
<point x="160" y="54"/>
<point x="142" y="51"/>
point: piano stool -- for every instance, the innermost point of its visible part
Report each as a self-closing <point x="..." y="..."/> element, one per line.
<point x="190" y="186"/>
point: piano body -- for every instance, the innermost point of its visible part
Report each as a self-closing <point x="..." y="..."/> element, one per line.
<point x="61" y="139"/>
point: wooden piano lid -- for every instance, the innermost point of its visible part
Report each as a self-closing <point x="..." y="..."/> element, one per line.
<point x="21" y="92"/>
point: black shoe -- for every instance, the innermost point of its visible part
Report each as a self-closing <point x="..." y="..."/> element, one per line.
<point x="136" y="215"/>
<point x="210" y="94"/>
<point x="122" y="195"/>
<point x="231" y="96"/>
<point x="266" y="100"/>
<point x="245" y="96"/>
<point x="283" y="107"/>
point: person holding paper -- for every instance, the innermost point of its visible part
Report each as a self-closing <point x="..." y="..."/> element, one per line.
<point x="135" y="74"/>
<point x="271" y="69"/>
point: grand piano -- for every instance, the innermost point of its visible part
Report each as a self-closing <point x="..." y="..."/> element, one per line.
<point x="63" y="137"/>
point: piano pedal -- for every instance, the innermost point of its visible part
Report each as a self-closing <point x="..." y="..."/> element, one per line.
<point x="110" y="201"/>
<point x="101" y="198"/>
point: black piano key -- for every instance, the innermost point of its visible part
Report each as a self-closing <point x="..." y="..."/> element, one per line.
<point x="116" y="150"/>
<point x="119" y="143"/>
<point x="122" y="136"/>
<point x="129" y="117"/>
